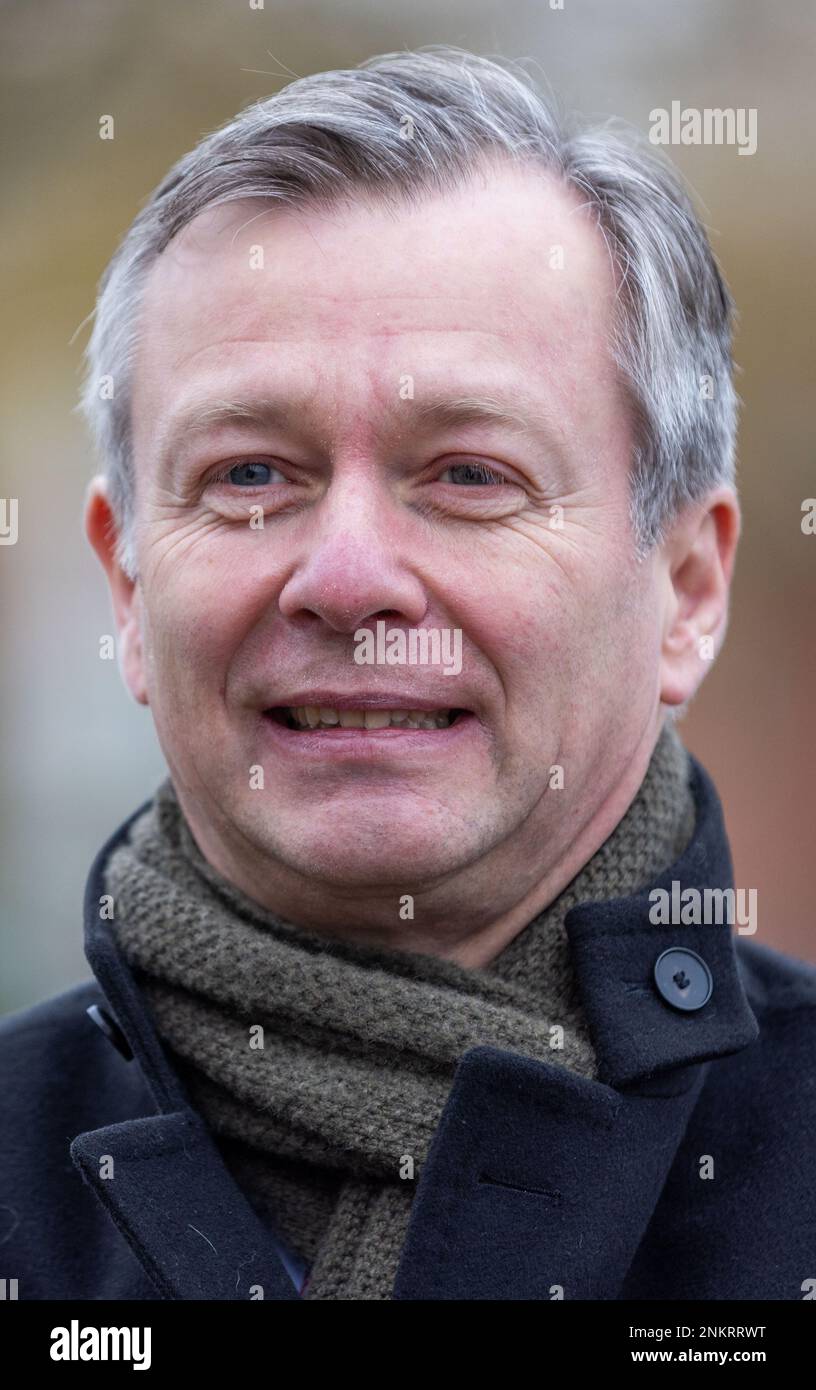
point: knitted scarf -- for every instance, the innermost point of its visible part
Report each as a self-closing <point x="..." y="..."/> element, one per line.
<point x="326" y="1113"/>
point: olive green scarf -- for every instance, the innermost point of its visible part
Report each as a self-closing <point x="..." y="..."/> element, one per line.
<point x="327" y="1124"/>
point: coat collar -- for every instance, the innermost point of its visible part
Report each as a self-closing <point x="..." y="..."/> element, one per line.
<point x="615" y="946"/>
<point x="639" y="1040"/>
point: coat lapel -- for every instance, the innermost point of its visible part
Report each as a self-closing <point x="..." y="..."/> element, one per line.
<point x="165" y="1187"/>
<point x="540" y="1184"/>
<point x="161" y="1178"/>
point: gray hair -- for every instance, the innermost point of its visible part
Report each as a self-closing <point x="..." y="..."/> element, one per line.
<point x="404" y="124"/>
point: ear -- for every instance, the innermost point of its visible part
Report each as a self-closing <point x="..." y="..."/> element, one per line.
<point x="698" y="562"/>
<point x="103" y="534"/>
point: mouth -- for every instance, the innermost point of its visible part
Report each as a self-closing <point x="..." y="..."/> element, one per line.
<point x="306" y="718"/>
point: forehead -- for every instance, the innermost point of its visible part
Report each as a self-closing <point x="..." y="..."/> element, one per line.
<point x="504" y="275"/>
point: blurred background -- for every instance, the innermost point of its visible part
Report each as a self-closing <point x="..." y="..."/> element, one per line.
<point x="77" y="754"/>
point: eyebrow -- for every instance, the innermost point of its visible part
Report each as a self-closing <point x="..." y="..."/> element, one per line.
<point x="200" y="417"/>
<point x="457" y="411"/>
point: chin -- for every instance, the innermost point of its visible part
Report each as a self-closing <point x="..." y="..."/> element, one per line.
<point x="356" y="858"/>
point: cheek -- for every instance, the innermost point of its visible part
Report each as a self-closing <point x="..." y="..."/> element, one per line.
<point x="621" y="653"/>
<point x="565" y="632"/>
<point x="193" y="623"/>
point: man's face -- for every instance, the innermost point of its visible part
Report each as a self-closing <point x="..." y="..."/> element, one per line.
<point x="352" y="329"/>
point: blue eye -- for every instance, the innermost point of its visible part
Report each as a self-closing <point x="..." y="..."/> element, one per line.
<point x="252" y="470"/>
<point x="471" y="474"/>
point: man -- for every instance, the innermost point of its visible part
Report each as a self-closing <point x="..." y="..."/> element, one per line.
<point x="395" y="1003"/>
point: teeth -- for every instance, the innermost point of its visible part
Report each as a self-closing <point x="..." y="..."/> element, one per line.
<point x="352" y="719"/>
<point x="314" y="717"/>
<point x="377" y="718"/>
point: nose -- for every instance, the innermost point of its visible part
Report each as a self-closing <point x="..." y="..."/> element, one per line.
<point x="354" y="565"/>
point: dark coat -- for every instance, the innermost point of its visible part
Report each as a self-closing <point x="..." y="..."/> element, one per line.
<point x="537" y="1182"/>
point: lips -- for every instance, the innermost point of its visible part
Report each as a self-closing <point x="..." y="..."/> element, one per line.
<point x="377" y="729"/>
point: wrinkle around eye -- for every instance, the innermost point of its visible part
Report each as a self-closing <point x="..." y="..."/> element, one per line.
<point x="575" y="540"/>
<point x="189" y="531"/>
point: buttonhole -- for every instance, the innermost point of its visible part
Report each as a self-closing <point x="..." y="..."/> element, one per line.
<point x="553" y="1197"/>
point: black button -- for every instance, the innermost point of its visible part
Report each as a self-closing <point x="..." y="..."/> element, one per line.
<point x="683" y="978"/>
<point x="111" y="1029"/>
